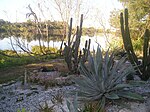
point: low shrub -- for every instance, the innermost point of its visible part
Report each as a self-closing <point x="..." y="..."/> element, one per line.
<point x="36" y="49"/>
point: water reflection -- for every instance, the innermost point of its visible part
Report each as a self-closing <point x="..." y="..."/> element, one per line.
<point x="5" y="44"/>
<point x="54" y="41"/>
<point x="27" y="40"/>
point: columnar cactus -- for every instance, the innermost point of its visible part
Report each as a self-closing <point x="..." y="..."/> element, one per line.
<point x="71" y="51"/>
<point x="126" y="37"/>
<point x="143" y="70"/>
<point x="146" y="56"/>
<point x="86" y="50"/>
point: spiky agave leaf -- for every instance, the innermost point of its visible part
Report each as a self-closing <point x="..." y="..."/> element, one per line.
<point x="112" y="96"/>
<point x="130" y="95"/>
<point x="71" y="105"/>
<point x="120" y="86"/>
<point x="101" y="105"/>
<point x="137" y="83"/>
<point x="119" y="71"/>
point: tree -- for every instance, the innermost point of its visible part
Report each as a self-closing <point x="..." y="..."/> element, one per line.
<point x="89" y="31"/>
<point x="69" y="9"/>
<point x="115" y="18"/>
<point x="100" y="21"/>
<point x="139" y="20"/>
<point x="139" y="16"/>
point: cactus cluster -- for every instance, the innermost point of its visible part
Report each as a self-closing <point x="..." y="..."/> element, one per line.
<point x="143" y="69"/>
<point x="71" y="51"/>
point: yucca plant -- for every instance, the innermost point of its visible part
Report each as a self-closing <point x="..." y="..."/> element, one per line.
<point x="103" y="79"/>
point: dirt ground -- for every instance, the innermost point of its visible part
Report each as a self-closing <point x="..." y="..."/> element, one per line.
<point x="12" y="73"/>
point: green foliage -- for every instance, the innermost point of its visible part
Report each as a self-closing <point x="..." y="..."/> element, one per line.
<point x="137" y="45"/>
<point x="9" y="52"/>
<point x="36" y="49"/>
<point x="140" y="6"/>
<point x="55" y="28"/>
<point x="13" y="60"/>
<point x="138" y="20"/>
<point x="22" y="110"/>
<point x="114" y="18"/>
<point x="102" y="79"/>
<point x="138" y="16"/>
<point x="9" y="62"/>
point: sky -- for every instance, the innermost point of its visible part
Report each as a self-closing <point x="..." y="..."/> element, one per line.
<point x="16" y="10"/>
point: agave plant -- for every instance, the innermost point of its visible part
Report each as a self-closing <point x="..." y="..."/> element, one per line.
<point x="103" y="79"/>
<point x="72" y="106"/>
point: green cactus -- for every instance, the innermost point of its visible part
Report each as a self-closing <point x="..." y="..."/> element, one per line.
<point x="146" y="56"/>
<point x="71" y="51"/>
<point x="68" y="53"/>
<point x="142" y="69"/>
<point x="86" y="51"/>
<point x="126" y="38"/>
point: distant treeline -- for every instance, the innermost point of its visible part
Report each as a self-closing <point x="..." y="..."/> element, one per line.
<point x="55" y="28"/>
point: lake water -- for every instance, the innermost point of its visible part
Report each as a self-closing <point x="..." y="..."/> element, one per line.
<point x="5" y="44"/>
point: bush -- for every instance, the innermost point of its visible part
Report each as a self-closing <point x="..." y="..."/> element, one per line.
<point x="36" y="49"/>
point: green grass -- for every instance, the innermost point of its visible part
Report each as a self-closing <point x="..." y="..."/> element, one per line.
<point x="23" y="60"/>
<point x="10" y="62"/>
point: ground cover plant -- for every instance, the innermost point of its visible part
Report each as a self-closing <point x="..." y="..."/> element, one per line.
<point x="10" y="59"/>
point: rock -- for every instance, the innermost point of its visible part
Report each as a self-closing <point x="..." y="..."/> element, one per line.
<point x="148" y="105"/>
<point x="28" y="99"/>
<point x="65" y="80"/>
<point x="43" y="77"/>
<point x="35" y="71"/>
